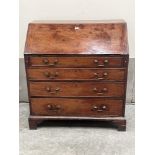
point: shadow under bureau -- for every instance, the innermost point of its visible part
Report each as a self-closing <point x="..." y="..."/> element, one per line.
<point x="77" y="70"/>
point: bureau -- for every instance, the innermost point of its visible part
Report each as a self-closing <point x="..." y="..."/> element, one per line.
<point x="77" y="70"/>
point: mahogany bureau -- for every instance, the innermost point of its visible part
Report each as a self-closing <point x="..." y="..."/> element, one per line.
<point x="77" y="70"/>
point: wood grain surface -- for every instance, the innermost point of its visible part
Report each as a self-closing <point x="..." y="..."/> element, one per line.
<point x="71" y="74"/>
<point x="77" y="89"/>
<point x="76" y="107"/>
<point x="75" y="61"/>
<point x="79" y="38"/>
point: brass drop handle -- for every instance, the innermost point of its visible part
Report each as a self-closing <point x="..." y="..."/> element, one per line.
<point x="105" y="62"/>
<point x="105" y="74"/>
<point x="49" y="106"/>
<point x="100" y="108"/>
<point x="104" y="107"/>
<point x="48" y="89"/>
<point x="46" y="62"/>
<point x="97" y="62"/>
<point x="99" y="65"/>
<point x="100" y="92"/>
<point x="94" y="108"/>
<point x="50" y="75"/>
<point x="53" y="107"/>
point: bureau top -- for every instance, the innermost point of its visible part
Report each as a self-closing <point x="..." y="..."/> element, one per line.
<point x="77" y="37"/>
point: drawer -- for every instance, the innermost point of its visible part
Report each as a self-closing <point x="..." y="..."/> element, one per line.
<point x="75" y="74"/>
<point x="51" y="89"/>
<point x="76" y="61"/>
<point x="76" y="107"/>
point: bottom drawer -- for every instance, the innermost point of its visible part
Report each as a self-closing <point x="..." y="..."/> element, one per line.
<point x="76" y="107"/>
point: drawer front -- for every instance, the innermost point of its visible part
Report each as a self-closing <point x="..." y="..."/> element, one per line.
<point x="76" y="107"/>
<point x="75" y="74"/>
<point x="51" y="89"/>
<point x="76" y="61"/>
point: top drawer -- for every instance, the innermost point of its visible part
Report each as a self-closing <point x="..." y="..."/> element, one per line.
<point x="64" y="62"/>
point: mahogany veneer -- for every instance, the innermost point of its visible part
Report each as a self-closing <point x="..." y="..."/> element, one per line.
<point x="77" y="71"/>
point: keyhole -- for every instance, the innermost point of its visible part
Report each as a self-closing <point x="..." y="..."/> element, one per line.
<point x="76" y="28"/>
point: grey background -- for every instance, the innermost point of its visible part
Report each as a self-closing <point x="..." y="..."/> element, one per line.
<point x="130" y="98"/>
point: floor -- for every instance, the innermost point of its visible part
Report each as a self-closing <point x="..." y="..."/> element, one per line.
<point x="76" y="140"/>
